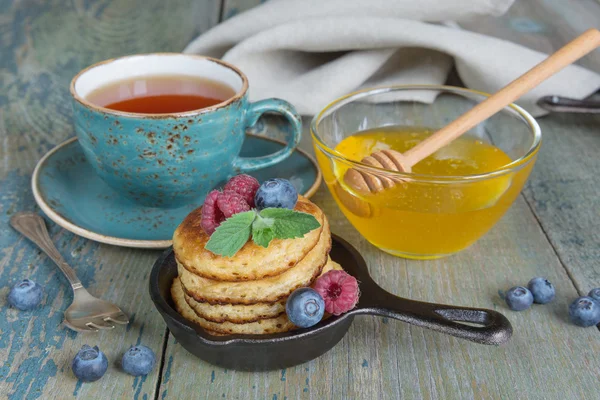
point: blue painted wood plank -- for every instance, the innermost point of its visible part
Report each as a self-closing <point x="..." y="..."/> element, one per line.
<point x="44" y="44"/>
<point x="381" y="358"/>
<point x="35" y="348"/>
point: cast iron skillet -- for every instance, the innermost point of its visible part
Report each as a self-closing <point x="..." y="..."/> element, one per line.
<point x="268" y="352"/>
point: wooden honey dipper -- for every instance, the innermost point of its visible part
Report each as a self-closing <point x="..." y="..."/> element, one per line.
<point x="366" y="182"/>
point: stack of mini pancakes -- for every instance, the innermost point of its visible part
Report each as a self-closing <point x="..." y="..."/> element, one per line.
<point x="246" y="293"/>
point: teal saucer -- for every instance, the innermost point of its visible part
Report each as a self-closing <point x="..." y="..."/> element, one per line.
<point x="72" y="195"/>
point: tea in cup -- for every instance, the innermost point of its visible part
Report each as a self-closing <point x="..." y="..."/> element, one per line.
<point x="164" y="129"/>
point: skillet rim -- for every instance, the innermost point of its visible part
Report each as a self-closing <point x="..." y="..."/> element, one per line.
<point x="167" y="310"/>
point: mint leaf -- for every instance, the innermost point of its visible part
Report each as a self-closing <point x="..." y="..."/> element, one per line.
<point x="263" y="237"/>
<point x="262" y="223"/>
<point x="262" y="231"/>
<point x="232" y="234"/>
<point x="270" y="223"/>
<point x="289" y="224"/>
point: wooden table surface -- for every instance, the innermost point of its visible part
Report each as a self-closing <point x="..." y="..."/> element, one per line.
<point x="552" y="230"/>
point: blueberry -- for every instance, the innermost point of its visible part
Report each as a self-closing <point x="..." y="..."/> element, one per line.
<point x="89" y="364"/>
<point x="542" y="290"/>
<point x="595" y="294"/>
<point x="138" y="360"/>
<point x="278" y="193"/>
<point x="305" y="307"/>
<point x="585" y="311"/>
<point x="25" y="295"/>
<point x="519" y="298"/>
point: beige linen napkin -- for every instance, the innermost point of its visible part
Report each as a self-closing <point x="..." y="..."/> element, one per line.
<point x="310" y="52"/>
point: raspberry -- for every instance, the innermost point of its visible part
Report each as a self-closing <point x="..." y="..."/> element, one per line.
<point x="339" y="290"/>
<point x="230" y="203"/>
<point x="219" y="206"/>
<point x="212" y="216"/>
<point x="245" y="185"/>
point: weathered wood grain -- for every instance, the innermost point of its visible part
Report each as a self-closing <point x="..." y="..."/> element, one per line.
<point x="564" y="193"/>
<point x="563" y="190"/>
<point x="46" y="43"/>
<point x="385" y="359"/>
<point x="43" y="44"/>
<point x="36" y="350"/>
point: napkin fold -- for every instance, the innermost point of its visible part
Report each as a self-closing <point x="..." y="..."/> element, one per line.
<point x="310" y="52"/>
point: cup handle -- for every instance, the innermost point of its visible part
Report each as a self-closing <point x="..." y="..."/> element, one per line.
<point x="247" y="164"/>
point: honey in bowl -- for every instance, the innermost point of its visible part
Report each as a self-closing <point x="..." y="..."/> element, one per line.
<point x="426" y="218"/>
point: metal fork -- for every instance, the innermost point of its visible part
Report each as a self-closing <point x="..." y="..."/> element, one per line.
<point x="86" y="313"/>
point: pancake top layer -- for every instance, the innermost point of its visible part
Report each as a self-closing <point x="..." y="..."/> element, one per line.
<point x="267" y="290"/>
<point x="252" y="261"/>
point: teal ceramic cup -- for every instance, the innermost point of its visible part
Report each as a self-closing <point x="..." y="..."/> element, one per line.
<point x="170" y="160"/>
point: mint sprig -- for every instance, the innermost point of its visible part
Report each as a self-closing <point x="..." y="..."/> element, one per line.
<point x="288" y="224"/>
<point x="263" y="226"/>
<point x="232" y="234"/>
<point x="262" y="230"/>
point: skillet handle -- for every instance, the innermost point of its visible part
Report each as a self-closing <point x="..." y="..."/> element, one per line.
<point x="492" y="327"/>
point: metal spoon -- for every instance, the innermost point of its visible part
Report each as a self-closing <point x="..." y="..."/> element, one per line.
<point x="568" y="105"/>
<point x="86" y="313"/>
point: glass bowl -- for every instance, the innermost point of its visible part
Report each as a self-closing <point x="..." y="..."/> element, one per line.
<point x="424" y="216"/>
